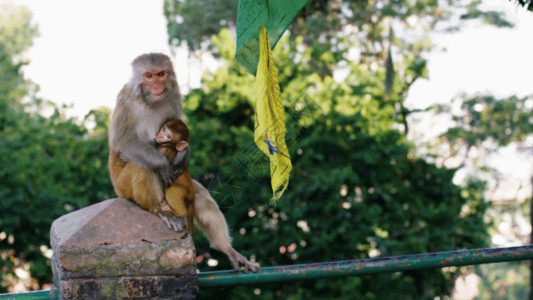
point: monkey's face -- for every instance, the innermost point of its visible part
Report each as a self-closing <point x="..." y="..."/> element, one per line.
<point x="155" y="84"/>
<point x="168" y="136"/>
<point x="164" y="135"/>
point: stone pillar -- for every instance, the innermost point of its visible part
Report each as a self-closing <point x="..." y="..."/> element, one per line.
<point x="117" y="250"/>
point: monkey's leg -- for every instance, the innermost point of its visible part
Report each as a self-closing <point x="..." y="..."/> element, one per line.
<point x="141" y="186"/>
<point x="211" y="222"/>
<point x="148" y="192"/>
<point x="147" y="188"/>
<point x="175" y="198"/>
<point x="121" y="184"/>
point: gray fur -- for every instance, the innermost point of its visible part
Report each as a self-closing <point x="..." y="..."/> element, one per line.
<point x="135" y="122"/>
<point x="137" y="118"/>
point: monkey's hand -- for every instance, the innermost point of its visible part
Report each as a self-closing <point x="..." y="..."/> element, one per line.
<point x="180" y="161"/>
<point x="167" y="174"/>
<point x="165" y="208"/>
<point x="177" y="172"/>
<point x="173" y="222"/>
<point x="151" y="160"/>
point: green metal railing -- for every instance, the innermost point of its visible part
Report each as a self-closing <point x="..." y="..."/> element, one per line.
<point x="344" y="268"/>
<point x="366" y="266"/>
<point x="39" y="295"/>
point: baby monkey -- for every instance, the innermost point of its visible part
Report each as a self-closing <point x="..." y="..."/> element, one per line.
<point x="173" y="140"/>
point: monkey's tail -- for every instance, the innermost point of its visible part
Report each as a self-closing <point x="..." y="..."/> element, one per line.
<point x="190" y="223"/>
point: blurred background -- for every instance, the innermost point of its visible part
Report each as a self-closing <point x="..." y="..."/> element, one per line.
<point x="409" y="125"/>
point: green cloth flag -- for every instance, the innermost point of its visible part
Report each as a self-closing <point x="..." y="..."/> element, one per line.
<point x="275" y="15"/>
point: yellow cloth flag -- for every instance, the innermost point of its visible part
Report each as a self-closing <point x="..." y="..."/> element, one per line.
<point x="270" y="129"/>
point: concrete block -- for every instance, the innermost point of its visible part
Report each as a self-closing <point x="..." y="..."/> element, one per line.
<point x="115" y="249"/>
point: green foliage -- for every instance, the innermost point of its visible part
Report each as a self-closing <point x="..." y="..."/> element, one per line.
<point x="356" y="190"/>
<point x="483" y="121"/>
<point x="16" y="35"/>
<point x="504" y="281"/>
<point x="484" y="117"/>
<point x="329" y="32"/>
<point x="491" y="17"/>
<point x="50" y="164"/>
<point x="323" y="24"/>
<point x="16" y="30"/>
<point x="191" y="19"/>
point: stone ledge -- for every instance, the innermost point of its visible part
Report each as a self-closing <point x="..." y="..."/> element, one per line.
<point x="116" y="248"/>
<point x="114" y="221"/>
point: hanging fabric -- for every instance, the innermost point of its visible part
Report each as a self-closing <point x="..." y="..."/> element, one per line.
<point x="269" y="134"/>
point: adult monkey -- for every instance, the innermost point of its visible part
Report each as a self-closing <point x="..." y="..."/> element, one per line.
<point x="138" y="171"/>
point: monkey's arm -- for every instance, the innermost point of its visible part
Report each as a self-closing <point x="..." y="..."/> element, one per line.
<point x="131" y="134"/>
<point x="145" y="154"/>
<point x="180" y="162"/>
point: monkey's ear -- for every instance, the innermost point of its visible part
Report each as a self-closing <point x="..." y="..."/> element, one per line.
<point x="182" y="145"/>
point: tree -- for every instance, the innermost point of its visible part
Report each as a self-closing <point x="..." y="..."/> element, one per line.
<point x="390" y="35"/>
<point x="483" y="117"/>
<point x="482" y="125"/>
<point x="356" y="190"/>
<point x="16" y="35"/>
<point x="51" y="164"/>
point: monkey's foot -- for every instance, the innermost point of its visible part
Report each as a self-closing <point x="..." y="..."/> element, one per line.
<point x="174" y="222"/>
<point x="240" y="262"/>
<point x="165" y="208"/>
<point x="248" y="265"/>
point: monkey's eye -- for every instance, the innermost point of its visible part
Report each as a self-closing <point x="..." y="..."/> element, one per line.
<point x="161" y="74"/>
<point x="148" y="75"/>
<point x="169" y="136"/>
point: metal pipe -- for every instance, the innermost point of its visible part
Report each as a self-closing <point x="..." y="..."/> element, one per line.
<point x="36" y="295"/>
<point x="366" y="266"/>
<point x="344" y="268"/>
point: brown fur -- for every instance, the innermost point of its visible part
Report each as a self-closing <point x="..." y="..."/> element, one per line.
<point x="135" y="183"/>
<point x="136" y="166"/>
<point x="180" y="194"/>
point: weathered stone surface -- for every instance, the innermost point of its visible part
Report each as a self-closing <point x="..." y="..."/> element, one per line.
<point x="144" y="287"/>
<point x="115" y="249"/>
<point x="114" y="221"/>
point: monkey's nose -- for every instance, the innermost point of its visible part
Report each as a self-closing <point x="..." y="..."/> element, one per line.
<point x="157" y="88"/>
